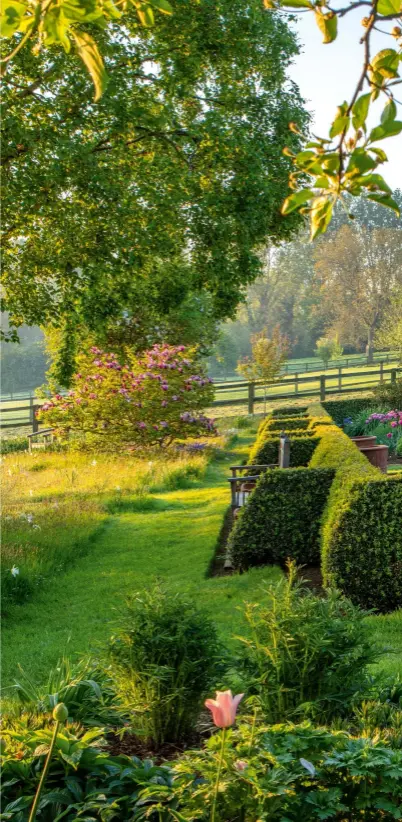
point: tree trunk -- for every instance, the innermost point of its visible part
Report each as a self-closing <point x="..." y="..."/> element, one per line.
<point x="370" y="345"/>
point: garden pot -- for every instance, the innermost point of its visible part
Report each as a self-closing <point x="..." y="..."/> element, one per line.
<point x="364" y="442"/>
<point x="377" y="455"/>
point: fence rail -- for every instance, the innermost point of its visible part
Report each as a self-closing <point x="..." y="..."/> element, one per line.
<point x="244" y="393"/>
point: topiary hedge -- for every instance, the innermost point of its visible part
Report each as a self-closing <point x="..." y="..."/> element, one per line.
<point x="282" y="518"/>
<point x="340" y="409"/>
<point x="290" y="411"/>
<point x="265" y="449"/>
<point x="362" y="525"/>
<point x="287" y="424"/>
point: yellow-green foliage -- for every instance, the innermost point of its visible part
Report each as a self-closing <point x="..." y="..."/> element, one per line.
<point x="297" y="428"/>
<point x="362" y="525"/>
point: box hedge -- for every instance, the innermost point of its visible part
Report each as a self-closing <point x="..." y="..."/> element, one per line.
<point x="361" y="550"/>
<point x="341" y="409"/>
<point x="287" y="424"/>
<point x="290" y="411"/>
<point x="266" y="449"/>
<point x="281" y="519"/>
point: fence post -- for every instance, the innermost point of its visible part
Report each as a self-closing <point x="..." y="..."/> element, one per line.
<point x="33" y="419"/>
<point x="296" y="384"/>
<point x="393" y="375"/>
<point x="284" y="451"/>
<point x="340" y="379"/>
<point x="322" y="387"/>
<point x="381" y="371"/>
<point x="251" y="398"/>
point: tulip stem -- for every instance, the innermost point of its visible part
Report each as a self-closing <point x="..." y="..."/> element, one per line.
<point x="32" y="815"/>
<point x="218" y="775"/>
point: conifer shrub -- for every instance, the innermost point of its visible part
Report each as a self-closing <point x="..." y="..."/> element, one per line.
<point x="282" y="518"/>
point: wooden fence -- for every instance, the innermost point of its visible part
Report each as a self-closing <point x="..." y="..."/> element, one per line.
<point x="322" y="385"/>
<point x="23" y="414"/>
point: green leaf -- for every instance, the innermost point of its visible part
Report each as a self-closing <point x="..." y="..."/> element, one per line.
<point x="386" y="63"/>
<point x="339" y="125"/>
<point x="297" y="199"/>
<point x="361" y="161"/>
<point x="163" y="6"/>
<point x="321" y="213"/>
<point x="297" y="4"/>
<point x="385" y="201"/>
<point x="321" y="182"/>
<point x="89" y="53"/>
<point x="146" y="15"/>
<point x="374" y="180"/>
<point x="360" y="110"/>
<point x="328" y="25"/>
<point x="389" y="129"/>
<point x="380" y="154"/>
<point x="389" y="113"/>
<point x="11" y="17"/>
<point x="388" y="6"/>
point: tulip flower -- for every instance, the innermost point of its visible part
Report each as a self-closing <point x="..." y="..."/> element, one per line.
<point x="224" y="708"/>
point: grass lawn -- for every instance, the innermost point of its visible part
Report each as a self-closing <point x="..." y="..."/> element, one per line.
<point x="108" y="527"/>
<point x="170" y="535"/>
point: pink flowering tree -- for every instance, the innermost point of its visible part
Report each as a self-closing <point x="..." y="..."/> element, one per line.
<point x="155" y="398"/>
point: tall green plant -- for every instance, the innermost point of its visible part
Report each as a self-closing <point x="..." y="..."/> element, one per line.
<point x="305" y="654"/>
<point x="165" y="656"/>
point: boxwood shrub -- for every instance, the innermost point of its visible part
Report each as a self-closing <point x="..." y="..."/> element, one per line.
<point x="362" y="525"/>
<point x="266" y="449"/>
<point x="340" y="409"/>
<point x="287" y="423"/>
<point x="290" y="411"/>
<point x="282" y="518"/>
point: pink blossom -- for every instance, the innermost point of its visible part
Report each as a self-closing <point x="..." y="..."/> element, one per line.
<point x="164" y="403"/>
<point x="224" y="708"/>
<point x="240" y="765"/>
<point x="142" y="425"/>
<point x="92" y="396"/>
<point x="389" y="435"/>
<point x="163" y="424"/>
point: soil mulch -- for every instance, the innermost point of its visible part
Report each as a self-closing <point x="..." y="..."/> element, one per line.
<point x="131" y="745"/>
<point x="312" y="576"/>
<point x="216" y="566"/>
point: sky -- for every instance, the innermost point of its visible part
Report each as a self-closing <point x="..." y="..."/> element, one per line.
<point x="327" y="75"/>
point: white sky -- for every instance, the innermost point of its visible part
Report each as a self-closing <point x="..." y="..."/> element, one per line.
<point x="327" y="75"/>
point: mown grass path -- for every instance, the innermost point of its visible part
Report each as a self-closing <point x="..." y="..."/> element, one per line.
<point x="170" y="536"/>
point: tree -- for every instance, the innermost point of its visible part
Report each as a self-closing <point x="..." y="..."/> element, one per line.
<point x="327" y="349"/>
<point x="116" y="214"/>
<point x="389" y="334"/>
<point x="358" y="271"/>
<point x="152" y="399"/>
<point x="347" y="162"/>
<point x="268" y="355"/>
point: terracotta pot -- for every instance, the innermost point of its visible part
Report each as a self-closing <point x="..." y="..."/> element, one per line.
<point x="378" y="456"/>
<point x="364" y="442"/>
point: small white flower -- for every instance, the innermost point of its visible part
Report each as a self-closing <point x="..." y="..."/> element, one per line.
<point x="36" y="527"/>
<point x="30" y="492"/>
<point x="150" y="464"/>
<point x="10" y="473"/>
<point x="93" y="462"/>
<point x="29" y="518"/>
<point x="118" y="488"/>
<point x="15" y="571"/>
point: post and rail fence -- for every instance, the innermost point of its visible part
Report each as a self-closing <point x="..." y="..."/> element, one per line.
<point x="23" y="414"/>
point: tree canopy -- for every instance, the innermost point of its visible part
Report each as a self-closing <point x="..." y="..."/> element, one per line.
<point x="117" y="213"/>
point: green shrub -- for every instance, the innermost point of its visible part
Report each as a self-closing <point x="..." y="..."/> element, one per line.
<point x="358" y="426"/>
<point x="9" y="446"/>
<point x="265" y="450"/>
<point x="165" y="658"/>
<point x="362" y="534"/>
<point x="287" y="423"/>
<point x="290" y="411"/>
<point x="306" y="654"/>
<point x="282" y="518"/>
<point x="390" y="394"/>
<point x="342" y="409"/>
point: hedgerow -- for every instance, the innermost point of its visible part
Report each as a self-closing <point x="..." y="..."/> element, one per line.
<point x="266" y="449"/>
<point x="362" y="532"/>
<point x="339" y="410"/>
<point x="282" y="518"/>
<point x="290" y="411"/>
<point x="287" y="423"/>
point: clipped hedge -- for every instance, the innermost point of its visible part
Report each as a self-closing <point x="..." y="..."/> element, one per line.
<point x="287" y="424"/>
<point x="281" y="519"/>
<point x="340" y="409"/>
<point x="265" y="449"/>
<point x="362" y="525"/>
<point x="290" y="411"/>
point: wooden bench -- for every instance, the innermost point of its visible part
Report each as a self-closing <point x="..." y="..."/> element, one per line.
<point x="46" y="433"/>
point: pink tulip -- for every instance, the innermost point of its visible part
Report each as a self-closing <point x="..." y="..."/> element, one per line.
<point x="224" y="708"/>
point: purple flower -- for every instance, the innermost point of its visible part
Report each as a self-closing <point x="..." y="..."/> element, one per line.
<point x="163" y="424"/>
<point x="164" y="403"/>
<point x="142" y="425"/>
<point x="389" y="435"/>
